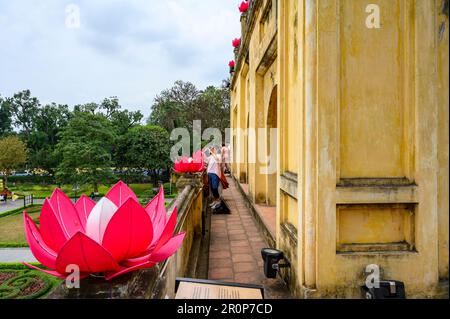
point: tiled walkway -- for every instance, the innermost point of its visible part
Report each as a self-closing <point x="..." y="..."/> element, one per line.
<point x="236" y="243"/>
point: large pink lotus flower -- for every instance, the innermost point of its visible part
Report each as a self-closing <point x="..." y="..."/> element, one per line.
<point x="190" y="165"/>
<point x="114" y="236"/>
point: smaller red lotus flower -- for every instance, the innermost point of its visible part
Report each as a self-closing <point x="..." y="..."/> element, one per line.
<point x="232" y="64"/>
<point x="236" y="43"/>
<point x="244" y="6"/>
<point x="190" y="165"/>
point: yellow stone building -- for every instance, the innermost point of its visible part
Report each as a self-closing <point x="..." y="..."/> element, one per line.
<point x="359" y="93"/>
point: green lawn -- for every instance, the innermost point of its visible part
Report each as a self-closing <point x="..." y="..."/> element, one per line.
<point x="142" y="191"/>
<point x="12" y="233"/>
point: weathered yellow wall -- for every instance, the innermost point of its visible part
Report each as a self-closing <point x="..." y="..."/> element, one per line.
<point x="443" y="144"/>
<point x="363" y="136"/>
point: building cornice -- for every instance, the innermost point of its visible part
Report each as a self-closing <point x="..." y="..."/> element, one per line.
<point x="248" y="21"/>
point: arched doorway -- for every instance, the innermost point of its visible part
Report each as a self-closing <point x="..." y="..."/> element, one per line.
<point x="272" y="148"/>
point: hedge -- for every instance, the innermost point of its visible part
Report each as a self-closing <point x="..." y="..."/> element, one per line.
<point x="31" y="179"/>
<point x="13" y="245"/>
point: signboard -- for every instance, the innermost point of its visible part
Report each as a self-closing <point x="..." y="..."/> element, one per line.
<point x="207" y="289"/>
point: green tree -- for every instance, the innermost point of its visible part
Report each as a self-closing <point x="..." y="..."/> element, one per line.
<point x="42" y="141"/>
<point x="174" y="107"/>
<point x="24" y="109"/>
<point x="13" y="155"/>
<point x="213" y="107"/>
<point x="180" y="105"/>
<point x="5" y="118"/>
<point x="85" y="150"/>
<point x="147" y="148"/>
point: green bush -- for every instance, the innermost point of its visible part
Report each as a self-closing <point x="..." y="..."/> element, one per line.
<point x="13" y="245"/>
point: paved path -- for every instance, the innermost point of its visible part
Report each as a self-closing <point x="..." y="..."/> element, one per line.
<point x="10" y="205"/>
<point x="235" y="250"/>
<point x="16" y="255"/>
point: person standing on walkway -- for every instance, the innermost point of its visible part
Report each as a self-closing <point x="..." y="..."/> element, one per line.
<point x="225" y="153"/>
<point x="214" y="172"/>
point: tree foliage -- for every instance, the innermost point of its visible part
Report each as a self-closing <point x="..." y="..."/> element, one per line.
<point x="5" y="117"/>
<point x="180" y="105"/>
<point x="147" y="147"/>
<point x="13" y="155"/>
<point x="85" y="150"/>
<point x="25" y="109"/>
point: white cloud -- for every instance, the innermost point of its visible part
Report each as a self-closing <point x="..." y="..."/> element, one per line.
<point x="127" y="48"/>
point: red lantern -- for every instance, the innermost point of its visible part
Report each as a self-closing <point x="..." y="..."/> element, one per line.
<point x="232" y="64"/>
<point x="236" y="43"/>
<point x="244" y="7"/>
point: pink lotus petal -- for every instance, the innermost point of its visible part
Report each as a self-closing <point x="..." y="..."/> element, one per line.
<point x="48" y="272"/>
<point x="198" y="157"/>
<point x="159" y="220"/>
<point x="66" y="213"/>
<point x="166" y="236"/>
<point x="129" y="232"/>
<point x="44" y="254"/>
<point x="167" y="233"/>
<point x="84" y="206"/>
<point x="153" y="205"/>
<point x="52" y="272"/>
<point x="51" y="230"/>
<point x="87" y="254"/>
<point x="146" y="265"/>
<point x="168" y="249"/>
<point x="120" y="193"/>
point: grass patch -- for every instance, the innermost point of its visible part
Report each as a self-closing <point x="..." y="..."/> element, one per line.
<point x="12" y="233"/>
<point x="19" y="282"/>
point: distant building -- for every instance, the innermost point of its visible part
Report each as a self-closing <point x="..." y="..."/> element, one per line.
<point x="359" y="94"/>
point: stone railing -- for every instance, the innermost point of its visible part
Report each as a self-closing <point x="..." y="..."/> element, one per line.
<point x="159" y="282"/>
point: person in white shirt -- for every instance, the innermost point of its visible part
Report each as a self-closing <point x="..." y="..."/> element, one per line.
<point x="214" y="172"/>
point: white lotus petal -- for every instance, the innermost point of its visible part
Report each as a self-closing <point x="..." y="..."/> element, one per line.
<point x="99" y="218"/>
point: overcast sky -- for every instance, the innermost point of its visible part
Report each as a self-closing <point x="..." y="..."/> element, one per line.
<point x="131" y="49"/>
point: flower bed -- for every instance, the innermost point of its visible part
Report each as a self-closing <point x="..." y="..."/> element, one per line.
<point x="18" y="282"/>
